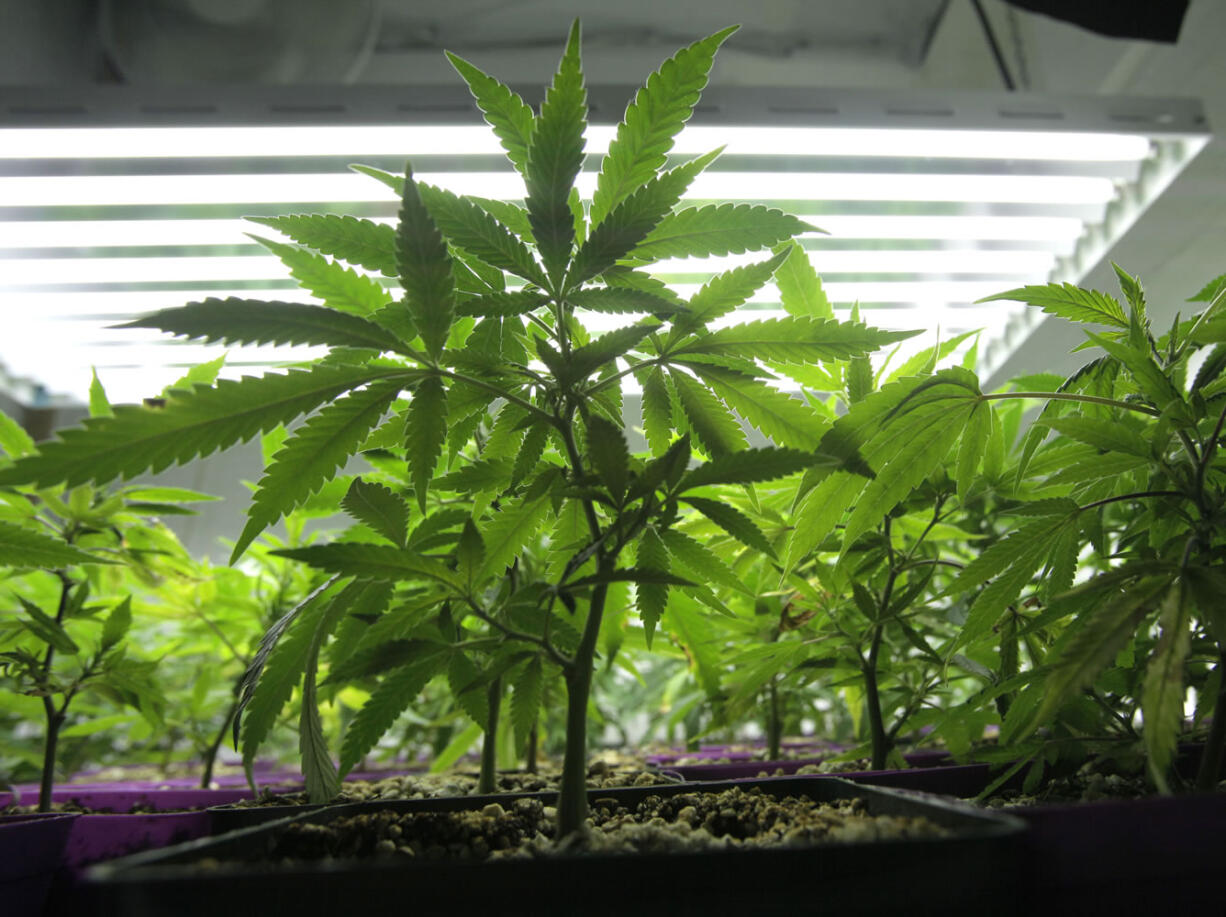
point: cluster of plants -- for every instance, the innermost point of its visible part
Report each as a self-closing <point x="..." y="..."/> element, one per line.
<point x="919" y="553"/>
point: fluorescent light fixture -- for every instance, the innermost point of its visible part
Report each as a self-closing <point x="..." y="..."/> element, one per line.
<point x="115" y="201"/>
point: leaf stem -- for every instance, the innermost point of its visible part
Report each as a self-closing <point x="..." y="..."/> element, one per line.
<point x="1069" y="396"/>
<point x="1134" y="496"/>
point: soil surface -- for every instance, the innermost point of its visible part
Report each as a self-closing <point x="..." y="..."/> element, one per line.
<point x="433" y="786"/>
<point x="729" y="820"/>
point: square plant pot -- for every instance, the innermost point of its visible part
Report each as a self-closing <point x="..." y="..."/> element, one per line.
<point x="31" y="851"/>
<point x="974" y="866"/>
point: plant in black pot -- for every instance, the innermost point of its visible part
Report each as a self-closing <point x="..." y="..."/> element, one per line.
<point x="489" y="318"/>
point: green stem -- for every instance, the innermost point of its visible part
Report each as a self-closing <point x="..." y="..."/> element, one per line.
<point x="210" y="755"/>
<point x="774" y="724"/>
<point x="54" y="718"/>
<point x="1136" y="496"/>
<point x="530" y="762"/>
<point x="572" y="796"/>
<point x="487" y="782"/>
<point x="872" y="697"/>
<point x="1215" y="745"/>
<point x="1069" y="396"/>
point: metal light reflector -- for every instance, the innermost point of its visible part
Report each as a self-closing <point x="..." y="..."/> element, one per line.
<point x="116" y="200"/>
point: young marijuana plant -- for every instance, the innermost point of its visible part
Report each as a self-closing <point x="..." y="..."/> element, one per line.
<point x="66" y="615"/>
<point x="489" y="318"/>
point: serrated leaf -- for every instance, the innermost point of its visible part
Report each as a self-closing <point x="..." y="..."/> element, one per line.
<point x="717" y="229"/>
<point x="794" y="340"/>
<point x="972" y="446"/>
<point x="509" y="530"/>
<point x="513" y="302"/>
<point x="921" y="363"/>
<point x="651" y="598"/>
<point x="14" y="441"/>
<point x="734" y="522"/>
<point x="818" y="513"/>
<point x="526" y="700"/>
<point x="99" y="404"/>
<point x="425" y="432"/>
<point x="504" y="111"/>
<point x="625" y="278"/>
<point x="362" y="242"/>
<point x="468" y="225"/>
<point x="785" y="420"/>
<point x="254" y="321"/>
<point x="587" y="359"/>
<point x="319" y="773"/>
<point x="1162" y="695"/>
<point x="425" y="269"/>
<point x="714" y="427"/>
<point x="701" y="561"/>
<point x="1068" y="301"/>
<point x="396" y="692"/>
<point x="722" y="294"/>
<point x="1107" y="435"/>
<point x="312" y="454"/>
<point x="555" y="156"/>
<point x="338" y="286"/>
<point x="750" y="467"/>
<point x="373" y="560"/>
<point x="469" y="553"/>
<point x="657" y="412"/>
<point x="651" y="121"/>
<point x="47" y="629"/>
<point x="117" y="624"/>
<point x="632" y="218"/>
<point x="22" y="547"/>
<point x="799" y="285"/>
<point x="530" y="452"/>
<point x="610" y="456"/>
<point x="467" y="684"/>
<point x="1150" y="378"/>
<point x="192" y="424"/>
<point x="378" y="507"/>
<point x="476" y="477"/>
<point x="620" y="300"/>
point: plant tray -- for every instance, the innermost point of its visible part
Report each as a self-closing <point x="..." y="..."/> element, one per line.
<point x="976" y="867"/>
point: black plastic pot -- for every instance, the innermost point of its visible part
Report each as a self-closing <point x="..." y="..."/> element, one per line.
<point x="975" y="870"/>
<point x="31" y="850"/>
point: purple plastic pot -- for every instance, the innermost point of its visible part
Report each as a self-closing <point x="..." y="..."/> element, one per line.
<point x="31" y="850"/>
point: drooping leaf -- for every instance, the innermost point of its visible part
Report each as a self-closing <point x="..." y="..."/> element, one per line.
<point x="425" y="432"/>
<point x="396" y="692"/>
<point x="253" y="321"/>
<point x="526" y="700"/>
<point x="311" y="455"/>
<point x="425" y="269"/>
<point x="468" y="687"/>
<point x="379" y="507"/>
<point x="192" y="424"/>
<point x="1162" y="696"/>
<point x="555" y="156"/>
<point x="800" y="287"/>
<point x="362" y="242"/>
<point x="1068" y="301"/>
<point x="319" y="773"/>
<point x="22" y="547"/>
<point x="651" y="121"/>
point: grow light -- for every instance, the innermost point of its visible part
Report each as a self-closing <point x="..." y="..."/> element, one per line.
<point x="118" y="200"/>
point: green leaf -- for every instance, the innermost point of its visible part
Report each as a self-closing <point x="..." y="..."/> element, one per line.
<point x="972" y="446"/>
<point x="526" y="700"/>
<point x="651" y="598"/>
<point x="715" y="429"/>
<point x="319" y="773"/>
<point x="22" y="547"/>
<point x="785" y="420"/>
<point x="641" y="575"/>
<point x="373" y="560"/>
<point x="362" y="242"/>
<point x="504" y="111"/>
<point x="425" y="432"/>
<point x="618" y="300"/>
<point x="609" y="454"/>
<point x="254" y="321"/>
<point x="47" y="629"/>
<point x="425" y="269"/>
<point x="717" y="229"/>
<point x="587" y="359"/>
<point x="1108" y="435"/>
<point x="734" y="522"/>
<point x="397" y="691"/>
<point x="469" y="553"/>
<point x="192" y="424"/>
<point x="922" y="362"/>
<point x="99" y="404"/>
<point x="530" y="452"/>
<point x="651" y="121"/>
<point x="378" y="507"/>
<point x="311" y="455"/>
<point x="14" y="441"/>
<point x="750" y="467"/>
<point x="657" y="412"/>
<point x="1068" y="301"/>
<point x="723" y="293"/>
<point x="555" y="156"/>
<point x="473" y="229"/>
<point x="794" y="340"/>
<point x="510" y="529"/>
<point x="701" y="561"/>
<point x="630" y="220"/>
<point x="1162" y="696"/>
<point x="818" y="513"/>
<point x="1150" y="378"/>
<point x="117" y="624"/>
<point x="800" y="287"/>
<point x="338" y="286"/>
<point x="468" y="688"/>
<point x="513" y="302"/>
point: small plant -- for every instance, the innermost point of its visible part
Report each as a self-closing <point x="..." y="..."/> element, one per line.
<point x="490" y="324"/>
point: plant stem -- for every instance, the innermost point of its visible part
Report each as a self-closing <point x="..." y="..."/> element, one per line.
<point x="486" y="783"/>
<point x="55" y="718"/>
<point x="1068" y="396"/>
<point x="1210" y="770"/>
<point x="572" y="797"/>
<point x="774" y="724"/>
<point x="872" y="697"/>
<point x="530" y="763"/>
<point x="210" y="756"/>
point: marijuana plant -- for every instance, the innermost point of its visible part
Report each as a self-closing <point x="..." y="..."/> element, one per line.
<point x="489" y="323"/>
